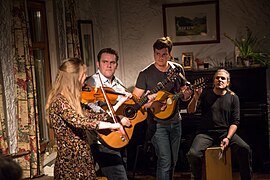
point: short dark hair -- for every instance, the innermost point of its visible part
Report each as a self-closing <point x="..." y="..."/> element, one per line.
<point x="109" y="51"/>
<point x="163" y="42"/>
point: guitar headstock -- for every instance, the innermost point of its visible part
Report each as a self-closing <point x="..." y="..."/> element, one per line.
<point x="173" y="74"/>
<point x="200" y="82"/>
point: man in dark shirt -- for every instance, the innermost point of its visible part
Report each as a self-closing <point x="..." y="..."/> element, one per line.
<point x="165" y="134"/>
<point x="220" y="119"/>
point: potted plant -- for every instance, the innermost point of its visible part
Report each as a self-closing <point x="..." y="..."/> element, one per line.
<point x="246" y="46"/>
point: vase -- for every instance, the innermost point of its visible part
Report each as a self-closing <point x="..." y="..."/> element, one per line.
<point x="246" y="63"/>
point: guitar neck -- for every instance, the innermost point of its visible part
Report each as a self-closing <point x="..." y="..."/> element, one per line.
<point x="198" y="83"/>
<point x="178" y="95"/>
<point x="159" y="86"/>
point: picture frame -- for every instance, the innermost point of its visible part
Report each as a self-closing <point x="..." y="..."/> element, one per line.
<point x="192" y="22"/>
<point x="86" y="38"/>
<point x="187" y="60"/>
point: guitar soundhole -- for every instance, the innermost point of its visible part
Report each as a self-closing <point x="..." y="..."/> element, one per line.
<point x="130" y="112"/>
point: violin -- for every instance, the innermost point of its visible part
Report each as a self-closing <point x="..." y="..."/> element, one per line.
<point x="92" y="94"/>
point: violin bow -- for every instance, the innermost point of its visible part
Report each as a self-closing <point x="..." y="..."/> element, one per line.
<point x="111" y="110"/>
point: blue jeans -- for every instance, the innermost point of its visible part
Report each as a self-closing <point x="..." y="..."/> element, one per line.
<point x="112" y="162"/>
<point x="239" y="148"/>
<point x="166" y="141"/>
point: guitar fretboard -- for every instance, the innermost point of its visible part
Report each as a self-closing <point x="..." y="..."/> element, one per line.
<point x="171" y="77"/>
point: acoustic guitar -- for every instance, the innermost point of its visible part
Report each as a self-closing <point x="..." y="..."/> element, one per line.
<point x="164" y="105"/>
<point x="134" y="110"/>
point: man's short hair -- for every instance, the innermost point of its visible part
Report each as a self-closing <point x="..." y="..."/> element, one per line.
<point x="163" y="42"/>
<point x="109" y="51"/>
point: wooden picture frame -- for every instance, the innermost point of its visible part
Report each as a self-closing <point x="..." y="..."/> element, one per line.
<point x="187" y="60"/>
<point x="86" y="38"/>
<point x="192" y="23"/>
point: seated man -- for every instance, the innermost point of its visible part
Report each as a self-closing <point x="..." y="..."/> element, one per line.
<point x="220" y="119"/>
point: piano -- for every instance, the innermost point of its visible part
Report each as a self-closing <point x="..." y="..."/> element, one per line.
<point x="250" y="84"/>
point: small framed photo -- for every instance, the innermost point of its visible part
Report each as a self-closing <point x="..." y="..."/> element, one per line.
<point x="187" y="59"/>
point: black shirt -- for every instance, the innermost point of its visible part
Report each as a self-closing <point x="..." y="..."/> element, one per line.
<point x="150" y="77"/>
<point x="219" y="112"/>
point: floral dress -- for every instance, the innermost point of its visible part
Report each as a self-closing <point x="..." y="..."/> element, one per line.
<point x="74" y="159"/>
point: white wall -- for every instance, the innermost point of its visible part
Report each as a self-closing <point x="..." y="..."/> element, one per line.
<point x="132" y="26"/>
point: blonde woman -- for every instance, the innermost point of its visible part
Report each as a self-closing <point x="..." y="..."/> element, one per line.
<point x="65" y="115"/>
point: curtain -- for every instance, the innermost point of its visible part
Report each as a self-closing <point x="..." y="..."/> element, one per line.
<point x="20" y="133"/>
<point x="25" y="91"/>
<point x="3" y="128"/>
<point x="6" y="82"/>
<point x="71" y="18"/>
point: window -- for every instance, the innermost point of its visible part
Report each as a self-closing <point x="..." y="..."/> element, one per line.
<point x="38" y="31"/>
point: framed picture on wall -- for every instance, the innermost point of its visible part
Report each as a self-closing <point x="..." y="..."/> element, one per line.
<point x="192" y="23"/>
<point x="187" y="59"/>
<point x="86" y="39"/>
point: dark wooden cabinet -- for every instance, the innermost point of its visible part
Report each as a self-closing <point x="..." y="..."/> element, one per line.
<point x="250" y="85"/>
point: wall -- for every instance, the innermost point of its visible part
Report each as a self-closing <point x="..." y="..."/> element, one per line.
<point x="132" y="26"/>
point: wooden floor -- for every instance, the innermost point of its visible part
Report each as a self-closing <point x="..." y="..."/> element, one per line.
<point x="177" y="176"/>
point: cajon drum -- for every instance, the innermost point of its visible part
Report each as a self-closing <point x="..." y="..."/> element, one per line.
<point x="216" y="167"/>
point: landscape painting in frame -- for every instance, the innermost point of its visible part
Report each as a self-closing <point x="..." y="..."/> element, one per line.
<point x="192" y="23"/>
